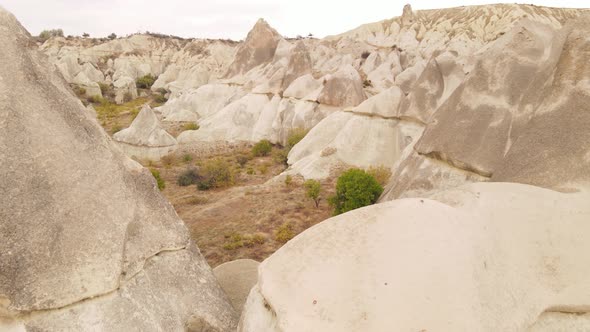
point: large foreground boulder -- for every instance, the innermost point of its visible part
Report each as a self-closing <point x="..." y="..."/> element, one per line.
<point x="482" y="257"/>
<point x="87" y="241"/>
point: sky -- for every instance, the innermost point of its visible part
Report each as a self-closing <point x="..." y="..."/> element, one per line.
<point x="221" y="18"/>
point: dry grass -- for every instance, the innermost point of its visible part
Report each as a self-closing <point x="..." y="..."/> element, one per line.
<point x="230" y="223"/>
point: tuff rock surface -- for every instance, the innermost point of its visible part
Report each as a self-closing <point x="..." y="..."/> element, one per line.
<point x="88" y="242"/>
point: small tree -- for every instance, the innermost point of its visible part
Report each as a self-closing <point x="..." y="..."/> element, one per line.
<point x="313" y="189"/>
<point x="262" y="148"/>
<point x="355" y="188"/>
<point x="85" y="35"/>
<point x="145" y="82"/>
<point x="112" y="36"/>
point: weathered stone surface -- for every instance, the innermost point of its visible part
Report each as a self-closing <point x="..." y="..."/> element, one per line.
<point x="258" y="48"/>
<point x="87" y="239"/>
<point x="455" y="262"/>
<point x="236" y="279"/>
<point x="343" y="88"/>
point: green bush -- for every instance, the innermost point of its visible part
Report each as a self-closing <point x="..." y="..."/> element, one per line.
<point x="216" y="173"/>
<point x="284" y="233"/>
<point x="262" y="148"/>
<point x="312" y="190"/>
<point x="145" y="82"/>
<point x="354" y="189"/>
<point x="188" y="177"/>
<point x="160" y="99"/>
<point x="281" y="156"/>
<point x="159" y="180"/>
<point x="190" y="126"/>
<point x="187" y="158"/>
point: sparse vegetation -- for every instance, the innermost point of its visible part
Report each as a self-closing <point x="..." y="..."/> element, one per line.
<point x="187" y="158"/>
<point x="313" y="189"/>
<point x="105" y="89"/>
<point x="285" y="232"/>
<point x="189" y="177"/>
<point x="237" y="240"/>
<point x="242" y="159"/>
<point x="159" y="180"/>
<point x="168" y="160"/>
<point x="80" y="91"/>
<point x="262" y="148"/>
<point x="46" y="34"/>
<point x="127" y="97"/>
<point x="381" y="174"/>
<point x="160" y="99"/>
<point x="355" y="188"/>
<point x="216" y="173"/>
<point x="112" y="36"/>
<point x="190" y="126"/>
<point x="145" y="82"/>
<point x="288" y="180"/>
<point x="85" y="35"/>
<point x="367" y="83"/>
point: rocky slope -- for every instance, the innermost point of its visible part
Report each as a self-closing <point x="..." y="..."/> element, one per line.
<point x="446" y="99"/>
<point x="88" y="243"/>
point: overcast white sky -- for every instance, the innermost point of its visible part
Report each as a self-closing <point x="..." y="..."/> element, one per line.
<point x="220" y="18"/>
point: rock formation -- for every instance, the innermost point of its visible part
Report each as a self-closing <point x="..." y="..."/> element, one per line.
<point x="145" y="138"/>
<point x="482" y="257"/>
<point x="88" y="242"/>
<point x="237" y="279"/>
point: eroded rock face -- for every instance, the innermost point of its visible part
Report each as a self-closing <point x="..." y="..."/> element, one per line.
<point x="145" y="138"/>
<point x="258" y="48"/>
<point x="87" y="240"/>
<point x="455" y="262"/>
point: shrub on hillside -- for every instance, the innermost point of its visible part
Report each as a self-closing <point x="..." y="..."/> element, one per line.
<point x="190" y="126"/>
<point x="159" y="180"/>
<point x="216" y="173"/>
<point x="160" y="99"/>
<point x="145" y="82"/>
<point x="381" y="174"/>
<point x="262" y="148"/>
<point x="188" y="177"/>
<point x="355" y="188"/>
<point x="284" y="233"/>
<point x="312" y="190"/>
<point x="46" y="34"/>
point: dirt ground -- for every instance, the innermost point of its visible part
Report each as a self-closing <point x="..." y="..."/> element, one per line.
<point x="242" y="221"/>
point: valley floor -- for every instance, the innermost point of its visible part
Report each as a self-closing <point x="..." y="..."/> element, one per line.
<point x="251" y="219"/>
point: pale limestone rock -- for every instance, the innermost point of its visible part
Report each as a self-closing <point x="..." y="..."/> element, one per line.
<point x="343" y="88"/>
<point x="305" y="87"/>
<point x="205" y="101"/>
<point x="258" y="48"/>
<point x="103" y="250"/>
<point x="455" y="262"/>
<point x="124" y="87"/>
<point x="92" y="88"/>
